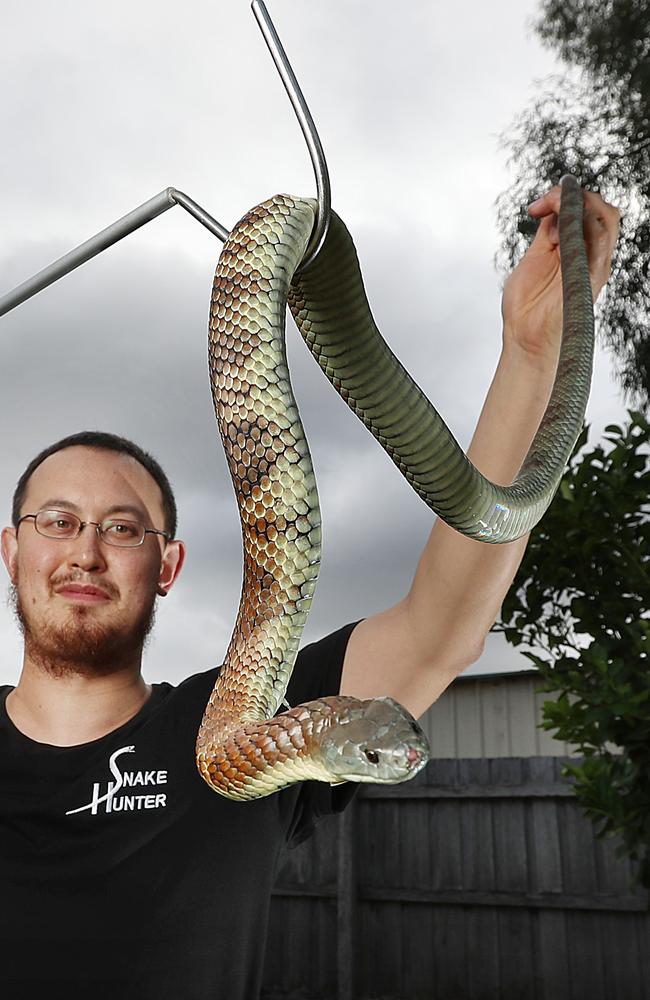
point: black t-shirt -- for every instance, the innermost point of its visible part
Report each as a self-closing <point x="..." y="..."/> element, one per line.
<point x="123" y="875"/>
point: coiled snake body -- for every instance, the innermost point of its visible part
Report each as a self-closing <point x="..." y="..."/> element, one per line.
<point x="245" y="749"/>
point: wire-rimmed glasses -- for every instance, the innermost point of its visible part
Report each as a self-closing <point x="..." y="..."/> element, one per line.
<point x="117" y="531"/>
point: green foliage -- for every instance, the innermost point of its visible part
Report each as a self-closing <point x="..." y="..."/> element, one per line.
<point x="594" y="122"/>
<point x="581" y="600"/>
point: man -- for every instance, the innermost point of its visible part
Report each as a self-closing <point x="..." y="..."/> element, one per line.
<point x="121" y="872"/>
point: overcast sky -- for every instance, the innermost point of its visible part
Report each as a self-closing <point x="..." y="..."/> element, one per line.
<point x="103" y="107"/>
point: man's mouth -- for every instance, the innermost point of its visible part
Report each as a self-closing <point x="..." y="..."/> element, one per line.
<point x="85" y="593"/>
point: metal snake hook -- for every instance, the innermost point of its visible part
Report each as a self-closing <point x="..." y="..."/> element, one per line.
<point x="106" y="238"/>
<point x="171" y="196"/>
<point x="308" y="128"/>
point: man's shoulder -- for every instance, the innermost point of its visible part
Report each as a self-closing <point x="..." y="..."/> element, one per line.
<point x="317" y="671"/>
<point x="318" y="667"/>
<point x="194" y="685"/>
<point x="332" y="645"/>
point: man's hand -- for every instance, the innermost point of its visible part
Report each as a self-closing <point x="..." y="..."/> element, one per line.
<point x="532" y="295"/>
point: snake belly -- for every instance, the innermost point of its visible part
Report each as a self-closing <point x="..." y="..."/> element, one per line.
<point x="246" y="748"/>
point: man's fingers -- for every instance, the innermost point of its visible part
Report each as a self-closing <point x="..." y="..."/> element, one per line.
<point x="601" y="225"/>
<point x="549" y="203"/>
<point x="546" y="203"/>
<point x="601" y="221"/>
<point x="601" y="232"/>
<point x="549" y="230"/>
<point x="546" y="208"/>
<point x="598" y="212"/>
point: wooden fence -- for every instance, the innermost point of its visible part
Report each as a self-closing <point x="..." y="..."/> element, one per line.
<point x="478" y="880"/>
<point x="492" y="715"/>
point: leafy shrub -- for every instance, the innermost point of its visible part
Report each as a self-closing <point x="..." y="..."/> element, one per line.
<point x="581" y="602"/>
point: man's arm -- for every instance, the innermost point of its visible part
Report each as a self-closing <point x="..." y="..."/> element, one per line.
<point x="413" y="650"/>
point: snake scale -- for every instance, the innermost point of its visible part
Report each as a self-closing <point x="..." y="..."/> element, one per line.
<point x="247" y="747"/>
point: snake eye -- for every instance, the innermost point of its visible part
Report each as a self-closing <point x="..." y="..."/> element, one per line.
<point x="372" y="756"/>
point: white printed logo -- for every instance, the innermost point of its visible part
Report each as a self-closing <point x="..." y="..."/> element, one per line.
<point x="130" y="802"/>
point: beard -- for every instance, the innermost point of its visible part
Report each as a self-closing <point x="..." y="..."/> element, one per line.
<point x="80" y="645"/>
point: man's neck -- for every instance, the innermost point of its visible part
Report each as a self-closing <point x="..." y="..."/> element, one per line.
<point x="71" y="710"/>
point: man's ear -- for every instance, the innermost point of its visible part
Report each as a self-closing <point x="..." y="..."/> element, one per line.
<point x="9" y="547"/>
<point x="172" y="561"/>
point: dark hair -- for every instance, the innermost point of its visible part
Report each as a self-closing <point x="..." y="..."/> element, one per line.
<point x="109" y="442"/>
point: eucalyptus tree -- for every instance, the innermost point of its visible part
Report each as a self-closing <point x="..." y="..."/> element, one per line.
<point x="594" y="121"/>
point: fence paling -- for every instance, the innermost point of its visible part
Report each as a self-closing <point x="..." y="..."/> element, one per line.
<point x="480" y="856"/>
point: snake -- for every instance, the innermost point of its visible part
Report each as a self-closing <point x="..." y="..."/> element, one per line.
<point x="249" y="744"/>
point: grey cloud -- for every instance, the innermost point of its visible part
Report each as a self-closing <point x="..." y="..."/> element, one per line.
<point x="100" y="114"/>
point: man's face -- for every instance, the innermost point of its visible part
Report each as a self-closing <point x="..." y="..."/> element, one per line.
<point x="86" y="607"/>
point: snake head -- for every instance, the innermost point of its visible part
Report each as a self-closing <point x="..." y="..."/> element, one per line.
<point x="374" y="741"/>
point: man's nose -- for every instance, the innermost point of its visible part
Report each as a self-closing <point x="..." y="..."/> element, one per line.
<point x="86" y="550"/>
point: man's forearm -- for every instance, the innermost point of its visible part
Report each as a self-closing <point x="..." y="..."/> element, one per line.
<point x="463" y="581"/>
<point x="511" y="414"/>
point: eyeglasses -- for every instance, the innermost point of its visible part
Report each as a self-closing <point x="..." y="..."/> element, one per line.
<point x="114" y="531"/>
